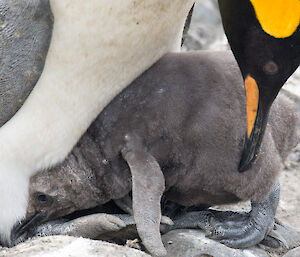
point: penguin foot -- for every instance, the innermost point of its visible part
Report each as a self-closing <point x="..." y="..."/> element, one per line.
<point x="90" y="226"/>
<point x="244" y="231"/>
<point x="282" y="236"/>
<point x="234" y="229"/>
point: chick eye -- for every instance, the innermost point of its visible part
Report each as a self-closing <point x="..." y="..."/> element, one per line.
<point x="270" y="68"/>
<point x="42" y="198"/>
<point x="105" y="161"/>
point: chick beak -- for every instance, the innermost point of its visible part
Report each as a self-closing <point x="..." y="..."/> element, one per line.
<point x="26" y="228"/>
<point x="257" y="115"/>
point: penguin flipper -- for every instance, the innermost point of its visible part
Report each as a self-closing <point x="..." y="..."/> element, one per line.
<point x="148" y="185"/>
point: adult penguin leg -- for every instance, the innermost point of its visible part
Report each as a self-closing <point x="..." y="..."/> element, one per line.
<point x="148" y="185"/>
<point x="252" y="227"/>
<point x="235" y="229"/>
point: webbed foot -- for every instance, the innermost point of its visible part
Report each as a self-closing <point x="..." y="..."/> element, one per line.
<point x="243" y="233"/>
<point x="90" y="226"/>
<point x="282" y="237"/>
<point x="234" y="229"/>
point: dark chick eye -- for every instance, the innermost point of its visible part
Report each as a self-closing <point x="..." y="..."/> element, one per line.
<point x="105" y="161"/>
<point x="270" y="68"/>
<point x="42" y="198"/>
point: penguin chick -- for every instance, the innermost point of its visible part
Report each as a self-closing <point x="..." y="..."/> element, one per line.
<point x="186" y="113"/>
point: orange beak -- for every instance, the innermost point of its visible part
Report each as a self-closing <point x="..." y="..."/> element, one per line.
<point x="252" y="93"/>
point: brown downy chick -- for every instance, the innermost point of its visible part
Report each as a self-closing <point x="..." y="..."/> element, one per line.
<point x="183" y="118"/>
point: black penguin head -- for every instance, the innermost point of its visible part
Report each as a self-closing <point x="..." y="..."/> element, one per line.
<point x="265" y="39"/>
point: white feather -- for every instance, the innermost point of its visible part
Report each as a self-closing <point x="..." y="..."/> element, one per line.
<point x="98" y="47"/>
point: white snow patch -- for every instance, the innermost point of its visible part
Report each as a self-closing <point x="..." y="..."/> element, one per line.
<point x="78" y="248"/>
<point x="249" y="254"/>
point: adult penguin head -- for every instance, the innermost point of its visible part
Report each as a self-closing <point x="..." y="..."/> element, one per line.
<point x="264" y="36"/>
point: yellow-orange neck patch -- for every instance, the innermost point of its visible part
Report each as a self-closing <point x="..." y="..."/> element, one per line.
<point x="278" y="18"/>
<point x="252" y="94"/>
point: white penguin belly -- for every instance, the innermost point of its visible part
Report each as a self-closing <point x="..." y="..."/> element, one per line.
<point x="98" y="47"/>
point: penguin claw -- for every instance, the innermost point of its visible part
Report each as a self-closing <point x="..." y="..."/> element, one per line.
<point x="234" y="229"/>
<point x="275" y="240"/>
<point x="282" y="236"/>
<point x="249" y="234"/>
<point x="166" y="220"/>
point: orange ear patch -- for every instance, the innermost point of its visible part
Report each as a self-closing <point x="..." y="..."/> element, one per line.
<point x="278" y="18"/>
<point x="252" y="94"/>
